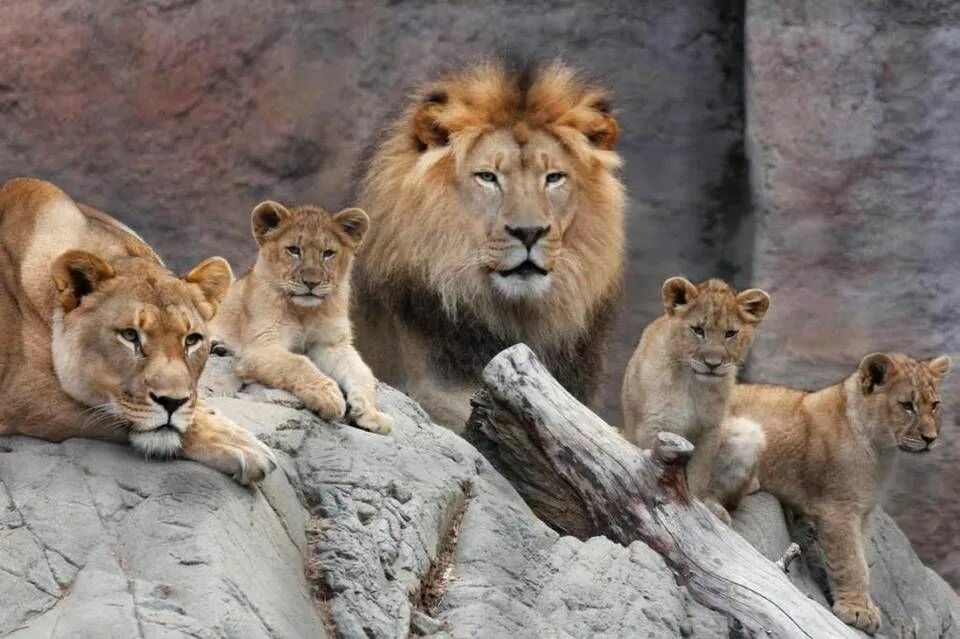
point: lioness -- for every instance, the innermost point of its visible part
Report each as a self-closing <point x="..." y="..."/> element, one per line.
<point x="497" y="218"/>
<point x="102" y="341"/>
<point x="828" y="452"/>
<point x="287" y="319"/>
<point x="685" y="367"/>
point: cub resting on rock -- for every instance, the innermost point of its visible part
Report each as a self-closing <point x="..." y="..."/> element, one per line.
<point x="102" y="341"/>
<point x="288" y="318"/>
<point x="827" y="454"/>
<point x="685" y="367"/>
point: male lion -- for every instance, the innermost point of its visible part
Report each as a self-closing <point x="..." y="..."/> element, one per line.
<point x="287" y="319"/>
<point x="101" y="341"/>
<point x="828" y="453"/>
<point x="497" y="217"/>
<point x="685" y="367"/>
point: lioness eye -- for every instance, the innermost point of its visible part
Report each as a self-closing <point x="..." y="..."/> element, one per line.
<point x="935" y="405"/>
<point x="486" y="176"/>
<point x="328" y="254"/>
<point x="731" y="333"/>
<point x="192" y="339"/>
<point x="294" y="251"/>
<point x="698" y="331"/>
<point x="555" y="177"/>
<point x="131" y="335"/>
<point x="907" y="406"/>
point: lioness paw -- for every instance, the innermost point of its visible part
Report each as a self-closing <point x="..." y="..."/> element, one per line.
<point x="325" y="399"/>
<point x="375" y="422"/>
<point x="253" y="462"/>
<point x="863" y="615"/>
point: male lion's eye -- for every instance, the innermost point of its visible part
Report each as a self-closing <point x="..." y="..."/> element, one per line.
<point x="556" y="177"/>
<point x="130" y="334"/>
<point x="698" y="331"/>
<point x="486" y="176"/>
<point x="192" y="339"/>
<point x="294" y="251"/>
<point x="907" y="406"/>
<point x="328" y="254"/>
<point x="731" y="333"/>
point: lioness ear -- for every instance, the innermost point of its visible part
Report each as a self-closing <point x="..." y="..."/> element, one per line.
<point x="354" y="223"/>
<point x="753" y="304"/>
<point x="213" y="276"/>
<point x="940" y="366"/>
<point x="677" y="292"/>
<point x="76" y="274"/>
<point x="426" y="124"/>
<point x="267" y="217"/>
<point x="874" y="371"/>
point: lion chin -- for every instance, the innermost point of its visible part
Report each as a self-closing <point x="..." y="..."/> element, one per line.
<point x="521" y="285"/>
<point x="165" y="441"/>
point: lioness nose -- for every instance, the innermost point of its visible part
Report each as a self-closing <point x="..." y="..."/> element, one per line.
<point x="171" y="404"/>
<point x="928" y="439"/>
<point x="527" y="234"/>
<point x="310" y="285"/>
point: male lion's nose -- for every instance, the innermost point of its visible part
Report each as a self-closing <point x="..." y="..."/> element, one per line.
<point x="527" y="234"/>
<point x="171" y="404"/>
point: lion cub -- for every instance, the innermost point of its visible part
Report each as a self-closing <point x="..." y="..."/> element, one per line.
<point x="828" y="452"/>
<point x="685" y="366"/>
<point x="287" y="319"/>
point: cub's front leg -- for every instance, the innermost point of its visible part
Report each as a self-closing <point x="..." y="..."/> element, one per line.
<point x="215" y="441"/>
<point x="841" y="536"/>
<point x="344" y="364"/>
<point x="277" y="367"/>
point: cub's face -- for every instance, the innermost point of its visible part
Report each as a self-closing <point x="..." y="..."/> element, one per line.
<point x="712" y="326"/>
<point x="130" y="341"/>
<point x="904" y="395"/>
<point x="305" y="252"/>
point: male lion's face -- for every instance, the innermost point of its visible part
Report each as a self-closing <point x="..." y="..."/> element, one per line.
<point x="905" y="395"/>
<point x="305" y="252"/>
<point x="130" y="341"/>
<point x="519" y="191"/>
<point x="713" y="326"/>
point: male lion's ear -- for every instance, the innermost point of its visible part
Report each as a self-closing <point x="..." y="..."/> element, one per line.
<point x="753" y="304"/>
<point x="677" y="292"/>
<point x="213" y="277"/>
<point x="426" y="123"/>
<point x="76" y="274"/>
<point x="354" y="223"/>
<point x="874" y="370"/>
<point x="940" y="366"/>
<point x="267" y="217"/>
<point x="603" y="130"/>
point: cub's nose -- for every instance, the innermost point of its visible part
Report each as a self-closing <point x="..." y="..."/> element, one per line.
<point x="310" y="285"/>
<point x="527" y="234"/>
<point x="712" y="361"/>
<point x="170" y="404"/>
<point x="929" y="440"/>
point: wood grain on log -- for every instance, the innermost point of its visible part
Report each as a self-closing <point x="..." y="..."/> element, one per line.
<point x="582" y="478"/>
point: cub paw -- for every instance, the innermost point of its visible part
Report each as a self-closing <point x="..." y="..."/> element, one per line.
<point x="718" y="510"/>
<point x="325" y="399"/>
<point x="375" y="422"/>
<point x="863" y="615"/>
<point x="254" y="461"/>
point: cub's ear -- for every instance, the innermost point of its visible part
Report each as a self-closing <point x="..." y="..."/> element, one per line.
<point x="76" y="274"/>
<point x="875" y="370"/>
<point x="940" y="366"/>
<point x="213" y="277"/>
<point x="268" y="217"/>
<point x="427" y="129"/>
<point x="677" y="292"/>
<point x="753" y="304"/>
<point x="354" y="224"/>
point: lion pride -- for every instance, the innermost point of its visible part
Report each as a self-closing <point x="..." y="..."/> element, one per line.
<point x="102" y="341"/>
<point x="496" y="217"/>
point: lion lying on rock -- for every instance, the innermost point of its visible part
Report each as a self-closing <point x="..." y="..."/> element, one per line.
<point x="496" y="218"/>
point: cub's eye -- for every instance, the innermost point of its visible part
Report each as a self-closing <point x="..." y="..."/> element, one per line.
<point x="731" y="333"/>
<point x="907" y="406"/>
<point x="556" y="177"/>
<point x="935" y="406"/>
<point x="294" y="251"/>
<point x="328" y="254"/>
<point x="192" y="339"/>
<point x="698" y="331"/>
<point x="130" y="334"/>
<point x="486" y="176"/>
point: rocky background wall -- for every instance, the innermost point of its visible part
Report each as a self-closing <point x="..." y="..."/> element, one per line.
<point x="179" y="115"/>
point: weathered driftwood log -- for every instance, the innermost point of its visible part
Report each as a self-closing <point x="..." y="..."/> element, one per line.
<point x="581" y="477"/>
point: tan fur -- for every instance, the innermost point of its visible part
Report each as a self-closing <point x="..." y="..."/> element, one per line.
<point x="438" y="258"/>
<point x="828" y="453"/>
<point x="679" y="381"/>
<point x="99" y="333"/>
<point x="287" y="320"/>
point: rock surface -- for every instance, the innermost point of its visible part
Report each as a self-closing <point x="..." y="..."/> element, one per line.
<point x="355" y="536"/>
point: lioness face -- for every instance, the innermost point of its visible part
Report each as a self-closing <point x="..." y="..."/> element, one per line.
<point x="130" y="341"/>
<point x="905" y="393"/>
<point x="305" y="252"/>
<point x="518" y="188"/>
<point x="713" y="326"/>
